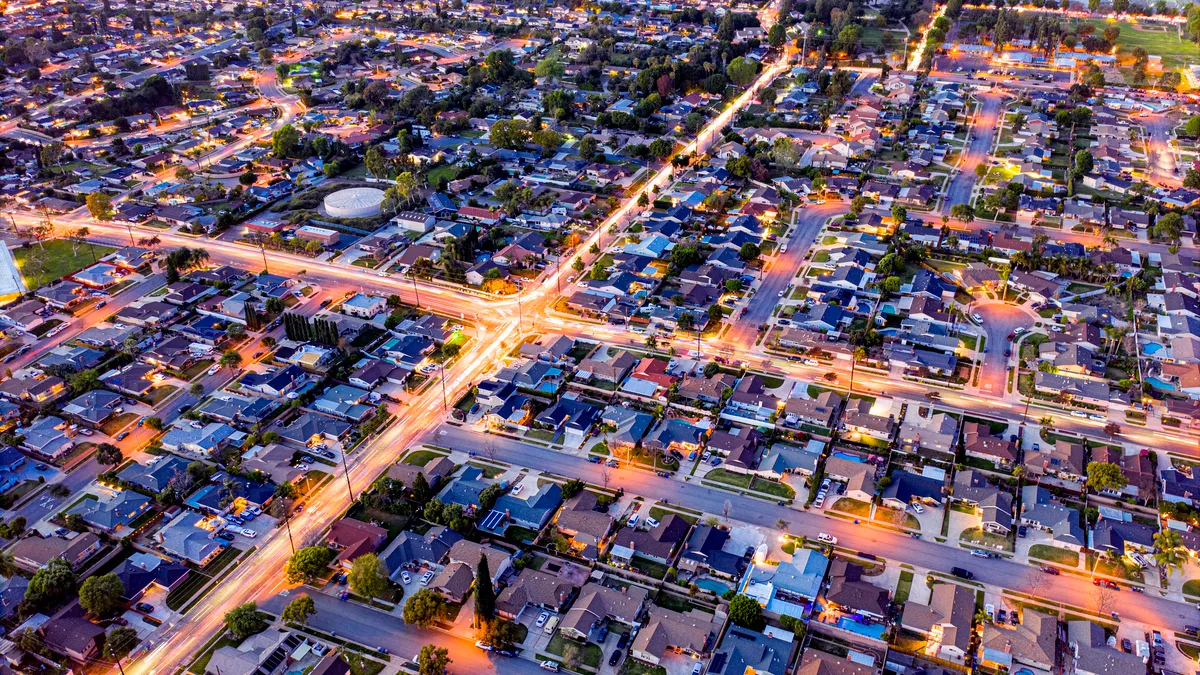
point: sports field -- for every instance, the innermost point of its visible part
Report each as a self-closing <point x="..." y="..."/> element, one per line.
<point x="1156" y="39"/>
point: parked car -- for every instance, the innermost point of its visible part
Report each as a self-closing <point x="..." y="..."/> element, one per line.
<point x="144" y="607"/>
<point x="827" y="538"/>
<point x="541" y="620"/>
<point x="616" y="657"/>
<point x="962" y="573"/>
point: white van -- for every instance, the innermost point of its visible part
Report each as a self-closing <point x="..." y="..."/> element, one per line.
<point x="551" y="625"/>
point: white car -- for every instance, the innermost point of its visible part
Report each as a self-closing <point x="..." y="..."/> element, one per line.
<point x="827" y="538"/>
<point x="633" y="520"/>
<point x="541" y="620"/>
<point x="406" y="577"/>
<point x="1018" y="330"/>
<point x="426" y="578"/>
<point x="978" y="319"/>
<point x="917" y="508"/>
<point x="517" y="490"/>
<point x="248" y="533"/>
<point x="214" y="369"/>
<point x="1078" y="413"/>
<point x="651" y="522"/>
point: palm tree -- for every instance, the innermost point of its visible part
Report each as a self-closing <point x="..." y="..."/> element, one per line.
<point x="1170" y="554"/>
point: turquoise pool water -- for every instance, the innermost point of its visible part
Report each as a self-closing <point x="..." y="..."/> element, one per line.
<point x="874" y="630"/>
<point x="710" y="584"/>
<point x="1151" y="347"/>
<point x="1159" y="384"/>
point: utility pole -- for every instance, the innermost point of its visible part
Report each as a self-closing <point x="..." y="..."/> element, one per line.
<point x="262" y="247"/>
<point x="347" y="470"/>
<point x="415" y="291"/>
<point x="445" y="404"/>
<point x="520" y="327"/>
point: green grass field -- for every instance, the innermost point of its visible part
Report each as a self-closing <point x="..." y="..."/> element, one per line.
<point x="1155" y="39"/>
<point x="59" y="260"/>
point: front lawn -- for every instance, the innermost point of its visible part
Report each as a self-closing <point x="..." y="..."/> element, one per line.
<point x="1054" y="554"/>
<point x="43" y="263"/>
<point x="854" y="507"/>
<point x="729" y="478"/>
<point x="421" y="457"/>
<point x="588" y="654"/>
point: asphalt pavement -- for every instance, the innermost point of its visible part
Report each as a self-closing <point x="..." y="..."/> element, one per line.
<point x="999" y="319"/>
<point x="373" y="628"/>
<point x="978" y="146"/>
<point x="781" y="270"/>
<point x="895" y="547"/>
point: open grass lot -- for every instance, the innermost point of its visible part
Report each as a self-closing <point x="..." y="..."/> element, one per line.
<point x="1157" y="40"/>
<point x="60" y="260"/>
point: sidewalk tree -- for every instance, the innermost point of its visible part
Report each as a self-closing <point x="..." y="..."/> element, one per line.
<point x="433" y="660"/>
<point x="299" y="610"/>
<point x="245" y="620"/>
<point x="119" y="642"/>
<point x="423" y="608"/>
<point x="109" y="454"/>
<point x="99" y="205"/>
<point x="101" y="595"/>
<point x="963" y="212"/>
<point x="500" y="634"/>
<point x="368" y="576"/>
<point x="307" y="563"/>
<point x="230" y="359"/>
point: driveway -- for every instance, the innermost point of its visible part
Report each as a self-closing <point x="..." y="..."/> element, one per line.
<point x="999" y="319"/>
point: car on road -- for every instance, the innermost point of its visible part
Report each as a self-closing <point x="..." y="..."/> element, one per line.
<point x="827" y="538"/>
<point x="551" y="666"/>
<point x="122" y="436"/>
<point x="1007" y="353"/>
<point x="541" y="620"/>
<point x="978" y="319"/>
<point x="483" y="645"/>
<point x="962" y="573"/>
<point x="214" y="369"/>
<point x="1078" y="413"/>
<point x="980" y="554"/>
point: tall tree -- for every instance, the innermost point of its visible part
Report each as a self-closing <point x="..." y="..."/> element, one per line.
<point x="485" y="593"/>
